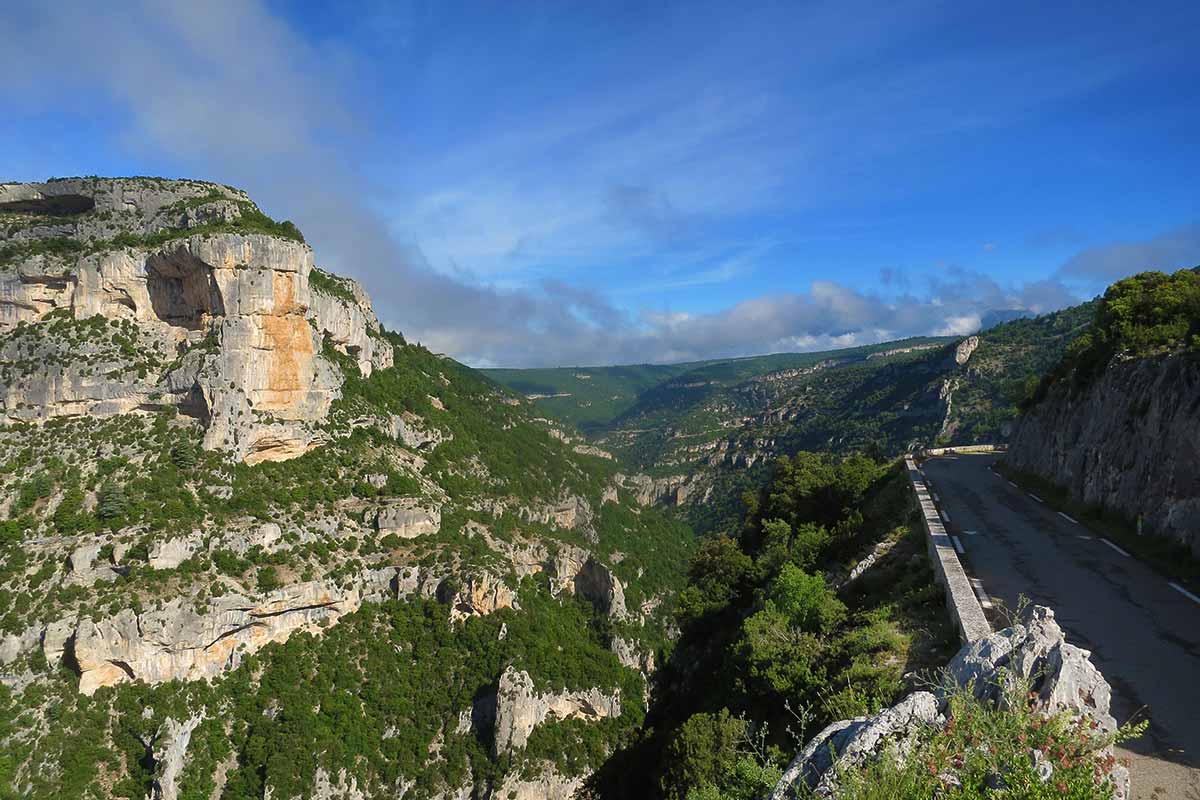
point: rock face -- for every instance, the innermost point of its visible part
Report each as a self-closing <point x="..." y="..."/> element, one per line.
<point x="1060" y="675"/>
<point x="224" y="325"/>
<point x="170" y="755"/>
<point x="176" y="642"/>
<point x="964" y="349"/>
<point x="352" y="324"/>
<point x="597" y="583"/>
<point x="1092" y="441"/>
<point x="520" y="708"/>
<point x="408" y="518"/>
<point x="479" y="594"/>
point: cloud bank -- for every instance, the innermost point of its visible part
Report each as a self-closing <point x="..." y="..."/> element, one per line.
<point x="230" y="92"/>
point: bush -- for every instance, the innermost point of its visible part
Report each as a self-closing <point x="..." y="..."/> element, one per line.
<point x="982" y="745"/>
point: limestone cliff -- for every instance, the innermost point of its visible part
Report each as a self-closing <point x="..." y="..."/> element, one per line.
<point x="1127" y="442"/>
<point x="214" y="309"/>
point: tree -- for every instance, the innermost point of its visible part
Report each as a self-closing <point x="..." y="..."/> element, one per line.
<point x="113" y="503"/>
<point x="719" y="574"/>
<point x="702" y="749"/>
<point x="806" y="600"/>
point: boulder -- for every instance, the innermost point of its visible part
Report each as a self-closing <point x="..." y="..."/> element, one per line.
<point x="1060" y="676"/>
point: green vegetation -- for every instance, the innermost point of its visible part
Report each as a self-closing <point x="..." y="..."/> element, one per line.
<point x="769" y="651"/>
<point x="115" y="348"/>
<point x="587" y="397"/>
<point x="250" y="220"/>
<point x="372" y="694"/>
<point x="1146" y="315"/>
<point x="983" y="747"/>
<point x="58" y="247"/>
<point x="327" y="283"/>
<point x="596" y="399"/>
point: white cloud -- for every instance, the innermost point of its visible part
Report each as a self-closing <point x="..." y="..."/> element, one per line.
<point x="230" y="92"/>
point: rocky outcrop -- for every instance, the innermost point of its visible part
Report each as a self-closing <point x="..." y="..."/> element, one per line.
<point x="596" y="582"/>
<point x="671" y="490"/>
<point x="964" y="349"/>
<point x="520" y="708"/>
<point x="1061" y="679"/>
<point x="170" y="755"/>
<point x="59" y="208"/>
<point x="175" y="641"/>
<point x="549" y="784"/>
<point x="479" y="594"/>
<point x="408" y="518"/>
<point x="351" y="324"/>
<point x="171" y="553"/>
<point x="413" y="432"/>
<point x="224" y="325"/>
<point x="85" y="566"/>
<point x="1095" y="442"/>
<point x="572" y="512"/>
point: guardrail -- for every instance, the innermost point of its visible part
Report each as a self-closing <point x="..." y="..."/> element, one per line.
<point x="960" y="597"/>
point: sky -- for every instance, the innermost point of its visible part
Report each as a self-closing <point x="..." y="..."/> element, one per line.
<point x="544" y="184"/>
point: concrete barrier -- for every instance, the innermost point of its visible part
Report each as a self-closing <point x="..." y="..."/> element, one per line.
<point x="965" y="448"/>
<point x="960" y="598"/>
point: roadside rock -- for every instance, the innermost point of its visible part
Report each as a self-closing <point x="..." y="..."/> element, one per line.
<point x="1060" y="675"/>
<point x="1090" y="441"/>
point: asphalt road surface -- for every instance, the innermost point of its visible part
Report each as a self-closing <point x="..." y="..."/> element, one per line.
<point x="1144" y="635"/>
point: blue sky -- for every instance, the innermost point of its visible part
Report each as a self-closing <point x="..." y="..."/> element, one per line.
<point x="539" y="184"/>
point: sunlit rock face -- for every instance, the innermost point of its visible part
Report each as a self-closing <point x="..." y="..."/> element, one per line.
<point x="223" y="325"/>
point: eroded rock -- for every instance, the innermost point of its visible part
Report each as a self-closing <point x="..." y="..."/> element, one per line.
<point x="520" y="708"/>
<point x="1060" y="676"/>
<point x="408" y="518"/>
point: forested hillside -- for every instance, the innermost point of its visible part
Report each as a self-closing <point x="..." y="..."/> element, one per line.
<point x="779" y="634"/>
<point x="252" y="544"/>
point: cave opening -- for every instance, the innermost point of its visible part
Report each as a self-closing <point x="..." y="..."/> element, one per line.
<point x="182" y="290"/>
<point x="59" y="205"/>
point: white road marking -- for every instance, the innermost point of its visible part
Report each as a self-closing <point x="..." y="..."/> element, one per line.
<point x="984" y="600"/>
<point x="1183" y="591"/>
<point x="1114" y="547"/>
<point x="958" y="546"/>
<point x="935" y="498"/>
<point x="1010" y="483"/>
<point x="1085" y="538"/>
<point x="945" y="516"/>
<point x="1068" y="518"/>
<point x="971" y="533"/>
<point x="1035" y="497"/>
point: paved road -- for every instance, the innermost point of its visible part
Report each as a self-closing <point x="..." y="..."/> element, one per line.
<point x="1144" y="635"/>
